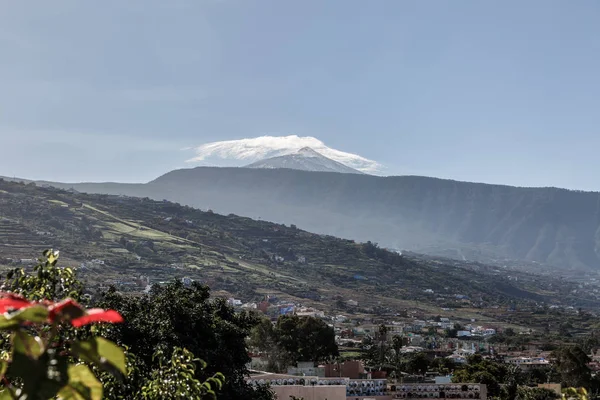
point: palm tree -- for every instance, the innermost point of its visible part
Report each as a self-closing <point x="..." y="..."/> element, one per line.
<point x="512" y="380"/>
<point x="383" y="330"/>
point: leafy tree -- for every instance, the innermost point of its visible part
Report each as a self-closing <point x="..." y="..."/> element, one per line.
<point x="397" y="344"/>
<point x="512" y="379"/>
<point x="537" y="375"/>
<point x="305" y="338"/>
<point x="262" y="335"/>
<point x="377" y="352"/>
<point x="264" y="338"/>
<point x="294" y="339"/>
<point x="571" y="362"/>
<point x="382" y="336"/>
<point x="490" y="373"/>
<point x="589" y="343"/>
<point x="175" y="316"/>
<point x="418" y="364"/>
<point x="175" y="379"/>
<point x="48" y="281"/>
<point x="443" y="365"/>
<point x="451" y="333"/>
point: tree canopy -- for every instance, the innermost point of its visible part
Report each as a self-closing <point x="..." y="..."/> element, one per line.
<point x="176" y="316"/>
<point x="294" y="338"/>
<point x="571" y="363"/>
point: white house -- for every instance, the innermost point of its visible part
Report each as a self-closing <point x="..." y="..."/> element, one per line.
<point x="234" y="302"/>
<point x="528" y="363"/>
<point x="340" y="318"/>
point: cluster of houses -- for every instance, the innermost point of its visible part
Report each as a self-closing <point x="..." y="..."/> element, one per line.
<point x="349" y="380"/>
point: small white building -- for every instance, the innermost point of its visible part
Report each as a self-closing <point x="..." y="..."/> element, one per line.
<point x="528" y="363"/>
<point x="352" y="303"/>
<point x="340" y="318"/>
<point x="234" y="302"/>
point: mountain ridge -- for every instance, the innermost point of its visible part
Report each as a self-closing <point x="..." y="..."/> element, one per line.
<point x="558" y="227"/>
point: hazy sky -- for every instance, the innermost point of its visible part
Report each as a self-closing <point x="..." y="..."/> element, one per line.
<point x="501" y="92"/>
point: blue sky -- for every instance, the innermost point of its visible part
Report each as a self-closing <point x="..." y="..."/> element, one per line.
<point x="501" y="92"/>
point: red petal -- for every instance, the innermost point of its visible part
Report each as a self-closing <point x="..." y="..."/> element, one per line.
<point x="13" y="301"/>
<point x="67" y="308"/>
<point x="8" y="304"/>
<point x="97" y="315"/>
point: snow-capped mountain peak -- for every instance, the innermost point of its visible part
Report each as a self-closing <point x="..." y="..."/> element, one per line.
<point x="309" y="152"/>
<point x="305" y="159"/>
<point x="235" y="153"/>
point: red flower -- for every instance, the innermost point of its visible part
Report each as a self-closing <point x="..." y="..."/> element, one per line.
<point x="11" y="301"/>
<point x="79" y="316"/>
<point x="97" y="315"/>
<point x="68" y="308"/>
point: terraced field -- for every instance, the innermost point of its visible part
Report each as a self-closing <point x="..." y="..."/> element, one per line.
<point x="21" y="240"/>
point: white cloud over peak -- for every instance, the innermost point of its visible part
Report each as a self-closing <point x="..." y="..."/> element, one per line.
<point x="254" y="149"/>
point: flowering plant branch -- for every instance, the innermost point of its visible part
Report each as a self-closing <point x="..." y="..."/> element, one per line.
<point x="41" y="364"/>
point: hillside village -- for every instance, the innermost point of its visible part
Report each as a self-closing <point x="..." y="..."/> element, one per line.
<point x="446" y="344"/>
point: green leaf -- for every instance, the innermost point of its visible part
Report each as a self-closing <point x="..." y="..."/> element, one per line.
<point x="101" y="352"/>
<point x="30" y="346"/>
<point x="210" y="395"/>
<point x="8" y="394"/>
<point x="43" y="373"/>
<point x="3" y="368"/>
<point x="51" y="256"/>
<point x="82" y="385"/>
<point x="216" y="383"/>
<point x="35" y="314"/>
<point x="75" y="390"/>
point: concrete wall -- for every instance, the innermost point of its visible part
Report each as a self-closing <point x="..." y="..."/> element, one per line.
<point x="448" y="391"/>
<point x="310" y="392"/>
<point x="369" y="398"/>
